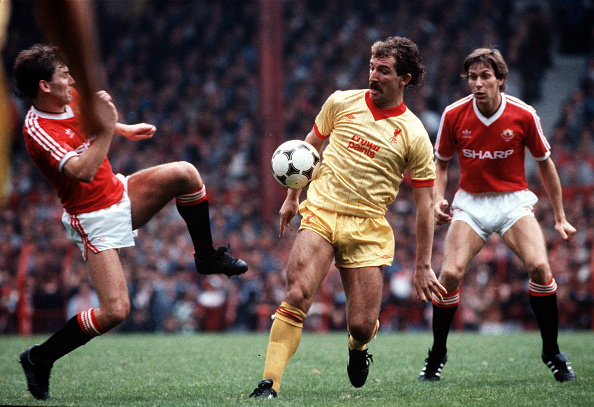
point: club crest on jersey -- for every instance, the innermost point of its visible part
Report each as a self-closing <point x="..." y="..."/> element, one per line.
<point x="507" y="134"/>
<point x="395" y="136"/>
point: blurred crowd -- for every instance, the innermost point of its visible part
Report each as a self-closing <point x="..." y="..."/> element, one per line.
<point x="191" y="68"/>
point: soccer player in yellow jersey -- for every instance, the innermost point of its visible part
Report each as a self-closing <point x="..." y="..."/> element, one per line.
<point x="373" y="138"/>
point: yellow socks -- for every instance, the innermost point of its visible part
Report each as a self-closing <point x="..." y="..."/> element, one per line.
<point x="285" y="335"/>
<point x="360" y="345"/>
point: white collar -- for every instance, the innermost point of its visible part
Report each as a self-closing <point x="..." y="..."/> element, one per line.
<point x="68" y="114"/>
<point x="488" y="121"/>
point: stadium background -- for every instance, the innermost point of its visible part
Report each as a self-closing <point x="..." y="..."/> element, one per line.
<point x="226" y="81"/>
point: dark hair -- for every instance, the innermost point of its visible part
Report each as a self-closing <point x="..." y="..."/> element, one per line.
<point x="489" y="57"/>
<point x="35" y="64"/>
<point x="407" y="56"/>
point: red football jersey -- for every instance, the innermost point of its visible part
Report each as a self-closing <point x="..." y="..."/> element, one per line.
<point x="491" y="150"/>
<point x="51" y="140"/>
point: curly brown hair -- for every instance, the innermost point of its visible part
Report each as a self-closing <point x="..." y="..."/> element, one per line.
<point x="407" y="56"/>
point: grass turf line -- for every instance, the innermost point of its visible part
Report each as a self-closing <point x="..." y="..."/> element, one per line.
<point x="222" y="369"/>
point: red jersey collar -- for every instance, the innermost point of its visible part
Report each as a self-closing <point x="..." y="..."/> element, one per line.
<point x="379" y="114"/>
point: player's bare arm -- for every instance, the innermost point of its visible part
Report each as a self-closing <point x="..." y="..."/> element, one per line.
<point x="550" y="180"/>
<point x="425" y="281"/>
<point x="291" y="205"/>
<point x="315" y="141"/>
<point x="289" y="209"/>
<point x="83" y="167"/>
<point x="440" y="204"/>
<point x="72" y="25"/>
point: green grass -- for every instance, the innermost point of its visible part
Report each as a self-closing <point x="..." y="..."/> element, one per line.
<point x="212" y="369"/>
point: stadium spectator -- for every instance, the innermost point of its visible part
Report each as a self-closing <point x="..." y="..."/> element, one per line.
<point x="101" y="210"/>
<point x="343" y="221"/>
<point x="134" y="77"/>
<point x="530" y="51"/>
<point x="491" y="130"/>
<point x="83" y="299"/>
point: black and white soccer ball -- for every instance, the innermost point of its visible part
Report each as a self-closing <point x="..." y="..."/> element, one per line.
<point x="295" y="164"/>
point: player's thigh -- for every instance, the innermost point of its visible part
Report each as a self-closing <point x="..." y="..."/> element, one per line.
<point x="526" y="240"/>
<point x="309" y="261"/>
<point x="363" y="291"/>
<point x="151" y="189"/>
<point x="108" y="278"/>
<point x="461" y="244"/>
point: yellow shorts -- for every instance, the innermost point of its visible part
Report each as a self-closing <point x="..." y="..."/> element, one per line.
<point x="358" y="242"/>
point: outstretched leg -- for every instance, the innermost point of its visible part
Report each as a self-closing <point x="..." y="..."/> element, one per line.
<point x="308" y="264"/>
<point x="151" y="189"/>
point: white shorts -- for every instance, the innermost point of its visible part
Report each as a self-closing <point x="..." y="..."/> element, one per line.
<point x="492" y="212"/>
<point x="109" y="228"/>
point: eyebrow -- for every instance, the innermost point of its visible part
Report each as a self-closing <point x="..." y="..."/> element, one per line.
<point x="382" y="65"/>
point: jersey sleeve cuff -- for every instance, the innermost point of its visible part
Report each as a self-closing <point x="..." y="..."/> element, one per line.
<point x="441" y="157"/>
<point x="544" y="157"/>
<point x="318" y="133"/>
<point x="419" y="183"/>
<point x="65" y="158"/>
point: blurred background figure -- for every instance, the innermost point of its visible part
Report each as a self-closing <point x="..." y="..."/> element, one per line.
<point x="193" y="69"/>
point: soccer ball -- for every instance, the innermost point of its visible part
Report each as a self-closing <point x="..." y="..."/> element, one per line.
<point x="295" y="164"/>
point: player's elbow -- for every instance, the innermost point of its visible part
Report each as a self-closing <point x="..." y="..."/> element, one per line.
<point x="81" y="173"/>
<point x="83" y="176"/>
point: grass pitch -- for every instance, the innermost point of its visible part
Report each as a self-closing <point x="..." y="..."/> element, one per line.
<point x="223" y="369"/>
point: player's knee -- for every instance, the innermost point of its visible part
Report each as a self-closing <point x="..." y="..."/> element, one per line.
<point x="539" y="271"/>
<point x="116" y="312"/>
<point x="450" y="277"/>
<point x="299" y="296"/>
<point x="361" y="329"/>
<point x="187" y="173"/>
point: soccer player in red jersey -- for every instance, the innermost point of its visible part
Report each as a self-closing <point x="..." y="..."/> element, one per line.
<point x="101" y="209"/>
<point x="490" y="131"/>
<point x="372" y="139"/>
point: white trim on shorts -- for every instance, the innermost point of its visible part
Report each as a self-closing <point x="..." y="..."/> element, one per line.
<point x="109" y="228"/>
<point x="492" y="212"/>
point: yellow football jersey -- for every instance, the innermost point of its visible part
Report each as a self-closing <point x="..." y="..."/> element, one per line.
<point x="368" y="152"/>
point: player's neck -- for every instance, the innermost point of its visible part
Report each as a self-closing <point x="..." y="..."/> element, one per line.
<point x="489" y="107"/>
<point x="48" y="107"/>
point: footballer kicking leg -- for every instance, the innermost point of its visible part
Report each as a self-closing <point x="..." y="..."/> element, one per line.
<point x="108" y="279"/>
<point x="151" y="189"/>
<point x="363" y="291"/>
<point x="462" y="243"/>
<point x="309" y="262"/>
<point x="526" y="240"/>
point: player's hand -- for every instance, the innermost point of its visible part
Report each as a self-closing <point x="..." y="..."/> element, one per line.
<point x="427" y="285"/>
<point x="287" y="212"/>
<point x="139" y="131"/>
<point x="565" y="230"/>
<point x="441" y="217"/>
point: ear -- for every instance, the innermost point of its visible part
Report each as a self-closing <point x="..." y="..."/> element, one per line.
<point x="44" y="86"/>
<point x="405" y="79"/>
